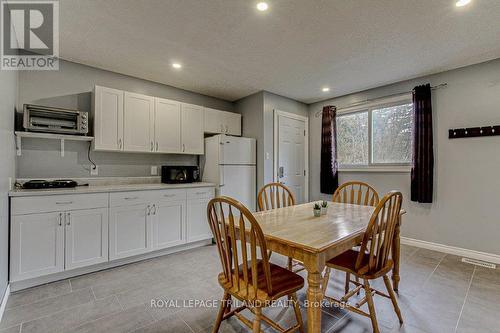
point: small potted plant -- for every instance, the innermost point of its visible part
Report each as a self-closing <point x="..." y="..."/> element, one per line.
<point x="324" y="207"/>
<point x="317" y="210"/>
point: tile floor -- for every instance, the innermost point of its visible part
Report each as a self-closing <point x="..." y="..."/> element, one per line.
<point x="438" y="293"/>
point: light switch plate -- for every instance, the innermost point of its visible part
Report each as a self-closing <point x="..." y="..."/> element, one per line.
<point x="154" y="170"/>
<point x="94" y="171"/>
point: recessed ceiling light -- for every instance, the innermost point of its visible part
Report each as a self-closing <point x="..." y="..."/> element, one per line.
<point x="325" y="89"/>
<point x="461" y="3"/>
<point x="176" y="65"/>
<point x="262" y="6"/>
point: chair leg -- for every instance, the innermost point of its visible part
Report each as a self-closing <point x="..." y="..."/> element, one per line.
<point x="220" y="314"/>
<point x="290" y="264"/>
<point x="347" y="282"/>
<point x="390" y="290"/>
<point x="326" y="278"/>
<point x="298" y="314"/>
<point x="257" y="319"/>
<point x="357" y="280"/>
<point x="371" y="306"/>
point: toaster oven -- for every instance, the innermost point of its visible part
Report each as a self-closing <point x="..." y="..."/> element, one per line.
<point x="55" y="120"/>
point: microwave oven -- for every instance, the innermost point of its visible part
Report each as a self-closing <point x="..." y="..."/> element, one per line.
<point x="173" y="174"/>
<point x="55" y="120"/>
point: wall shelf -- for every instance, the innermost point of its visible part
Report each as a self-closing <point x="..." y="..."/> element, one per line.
<point x="62" y="137"/>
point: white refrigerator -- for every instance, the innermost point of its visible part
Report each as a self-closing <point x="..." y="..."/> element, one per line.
<point x="230" y="164"/>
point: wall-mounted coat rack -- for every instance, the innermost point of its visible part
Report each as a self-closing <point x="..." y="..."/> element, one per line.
<point x="472" y="132"/>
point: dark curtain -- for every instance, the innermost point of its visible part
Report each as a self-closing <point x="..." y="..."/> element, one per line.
<point x="328" y="174"/>
<point x="422" y="172"/>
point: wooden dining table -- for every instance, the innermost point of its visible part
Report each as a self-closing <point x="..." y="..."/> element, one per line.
<point x="295" y="232"/>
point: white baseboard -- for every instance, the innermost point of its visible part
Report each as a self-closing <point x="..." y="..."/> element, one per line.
<point x="458" y="251"/>
<point x="4" y="301"/>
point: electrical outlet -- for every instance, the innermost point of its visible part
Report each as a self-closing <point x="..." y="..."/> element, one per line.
<point x="94" y="170"/>
<point x="154" y="170"/>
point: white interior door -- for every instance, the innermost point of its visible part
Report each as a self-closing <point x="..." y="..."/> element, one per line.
<point x="291" y="148"/>
<point x="167" y="126"/>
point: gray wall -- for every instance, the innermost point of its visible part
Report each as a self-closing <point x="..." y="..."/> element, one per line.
<point x="71" y="87"/>
<point x="8" y="92"/>
<point x="464" y="213"/>
<point x="251" y="110"/>
<point x="257" y="111"/>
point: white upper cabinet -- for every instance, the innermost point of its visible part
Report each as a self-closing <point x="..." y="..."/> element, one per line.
<point x="108" y="119"/>
<point x="222" y="122"/>
<point x="138" y="123"/>
<point x="192" y="129"/>
<point x="167" y="126"/>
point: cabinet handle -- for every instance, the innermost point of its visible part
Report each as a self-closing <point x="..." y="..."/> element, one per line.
<point x="227" y="128"/>
<point x="156" y="146"/>
<point x="60" y="219"/>
<point x="152" y="146"/>
<point x="198" y="193"/>
<point x="131" y="198"/>
<point x="68" y="221"/>
<point x="169" y="195"/>
<point x="148" y="210"/>
<point x="183" y="147"/>
<point x="154" y="211"/>
<point x="120" y="144"/>
<point x="64" y="203"/>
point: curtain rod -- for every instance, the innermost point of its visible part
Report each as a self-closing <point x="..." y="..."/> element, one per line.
<point x="439" y="86"/>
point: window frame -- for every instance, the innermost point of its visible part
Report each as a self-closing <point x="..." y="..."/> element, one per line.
<point x="369" y="107"/>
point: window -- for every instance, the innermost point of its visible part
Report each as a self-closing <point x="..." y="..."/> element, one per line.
<point x="375" y="135"/>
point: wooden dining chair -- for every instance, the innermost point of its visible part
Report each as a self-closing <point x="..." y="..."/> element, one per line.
<point x="372" y="260"/>
<point x="355" y="193"/>
<point x="277" y="195"/>
<point x="246" y="276"/>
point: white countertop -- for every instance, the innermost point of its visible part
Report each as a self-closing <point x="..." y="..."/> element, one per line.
<point x="105" y="188"/>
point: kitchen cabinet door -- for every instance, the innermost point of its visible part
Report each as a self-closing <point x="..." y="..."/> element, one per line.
<point x="232" y="123"/>
<point x="196" y="220"/>
<point x="192" y="129"/>
<point x="86" y="237"/>
<point x="169" y="224"/>
<point x="37" y="245"/>
<point x="108" y="119"/>
<point x="138" y="123"/>
<point x="129" y="231"/>
<point x="213" y="121"/>
<point x="167" y="124"/>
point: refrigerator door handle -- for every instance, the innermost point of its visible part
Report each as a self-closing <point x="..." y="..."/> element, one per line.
<point x="221" y="176"/>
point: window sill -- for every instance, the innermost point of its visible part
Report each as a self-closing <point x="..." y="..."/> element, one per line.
<point x="403" y="169"/>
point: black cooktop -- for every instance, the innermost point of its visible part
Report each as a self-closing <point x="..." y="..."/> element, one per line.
<point x="42" y="184"/>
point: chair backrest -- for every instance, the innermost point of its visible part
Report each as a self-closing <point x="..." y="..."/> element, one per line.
<point x="275" y="195"/>
<point x="229" y="219"/>
<point x="379" y="234"/>
<point x="357" y="193"/>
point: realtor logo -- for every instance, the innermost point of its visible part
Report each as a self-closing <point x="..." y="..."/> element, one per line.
<point x="30" y="35"/>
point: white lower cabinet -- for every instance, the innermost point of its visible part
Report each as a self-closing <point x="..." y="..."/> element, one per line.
<point x="86" y="237"/>
<point x="37" y="245"/>
<point x="197" y="224"/>
<point x="129" y="231"/>
<point x="168" y="224"/>
<point x="91" y="229"/>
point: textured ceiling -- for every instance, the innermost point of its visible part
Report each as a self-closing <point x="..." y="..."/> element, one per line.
<point x="230" y="50"/>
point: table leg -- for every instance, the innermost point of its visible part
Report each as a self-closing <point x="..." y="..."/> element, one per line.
<point x="396" y="256"/>
<point x="314" y="294"/>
